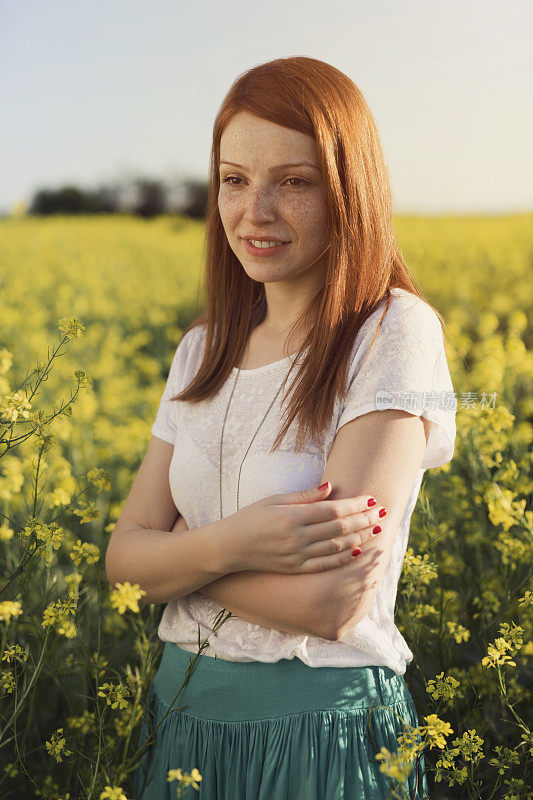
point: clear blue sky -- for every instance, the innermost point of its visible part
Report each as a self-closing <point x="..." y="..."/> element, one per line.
<point x="95" y="90"/>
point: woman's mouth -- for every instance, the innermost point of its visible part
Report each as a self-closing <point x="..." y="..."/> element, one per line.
<point x="264" y="248"/>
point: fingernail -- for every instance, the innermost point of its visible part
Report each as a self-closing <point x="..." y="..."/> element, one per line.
<point x="382" y="512"/>
<point x="324" y="486"/>
<point x="356" y="551"/>
<point x="372" y="502"/>
<point x="376" y="529"/>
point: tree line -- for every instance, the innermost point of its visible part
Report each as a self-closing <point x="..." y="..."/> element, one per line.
<point x="146" y="197"/>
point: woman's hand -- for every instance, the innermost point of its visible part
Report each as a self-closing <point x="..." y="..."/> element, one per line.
<point x="300" y="532"/>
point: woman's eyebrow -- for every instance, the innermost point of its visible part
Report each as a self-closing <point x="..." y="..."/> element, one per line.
<point x="278" y="167"/>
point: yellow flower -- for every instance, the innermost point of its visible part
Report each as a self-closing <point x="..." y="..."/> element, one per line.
<point x="418" y="569"/>
<point x="6" y="533"/>
<point x="13" y="651"/>
<point x="6" y="360"/>
<point x="14" y="405"/>
<point x="58" y="614"/>
<point x="9" y="608"/>
<point x="524" y="602"/>
<point x="184" y="777"/>
<point x="11" y="770"/>
<point x="73" y="580"/>
<point x="70" y="327"/>
<point x="505" y="757"/>
<point x="126" y="596"/>
<point x="511" y="639"/>
<point x="442" y="687"/>
<point x="115" y="694"/>
<point x="469" y="746"/>
<point x="527" y="650"/>
<point x="7" y="682"/>
<point x="436" y="729"/>
<point x="99" y="478"/>
<point x="497" y="655"/>
<point x="512" y="550"/>
<point x="59" y="497"/>
<point x="457" y="631"/>
<point x="84" y="722"/>
<point x="528" y="739"/>
<point x="52" y="536"/>
<point x="503" y="509"/>
<point x="66" y="627"/>
<point x="56" y="746"/>
<point x="393" y="765"/>
<point x="512" y="633"/>
<point x="113" y="793"/>
<point x="87" y="512"/>
<point x="87" y="550"/>
<point x="83" y="380"/>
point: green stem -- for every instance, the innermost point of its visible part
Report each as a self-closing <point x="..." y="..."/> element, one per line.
<point x="136" y="757"/>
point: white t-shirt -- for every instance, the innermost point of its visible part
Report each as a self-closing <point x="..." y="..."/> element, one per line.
<point x="406" y="369"/>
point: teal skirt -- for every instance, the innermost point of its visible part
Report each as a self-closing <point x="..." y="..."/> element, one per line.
<point x="273" y="731"/>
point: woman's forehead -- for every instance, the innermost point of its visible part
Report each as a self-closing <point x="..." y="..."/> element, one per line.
<point x="247" y="138"/>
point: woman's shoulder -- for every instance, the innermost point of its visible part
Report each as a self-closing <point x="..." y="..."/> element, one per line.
<point x="407" y="314"/>
<point x="408" y="330"/>
<point x="193" y="337"/>
<point x="188" y="351"/>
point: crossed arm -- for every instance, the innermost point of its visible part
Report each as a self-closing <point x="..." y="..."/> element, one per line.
<point x="291" y="603"/>
<point x="329" y="603"/>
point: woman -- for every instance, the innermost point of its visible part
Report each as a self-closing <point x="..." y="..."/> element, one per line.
<point x="303" y="276"/>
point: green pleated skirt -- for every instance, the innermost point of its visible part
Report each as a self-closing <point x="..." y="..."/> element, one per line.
<point x="273" y="731"/>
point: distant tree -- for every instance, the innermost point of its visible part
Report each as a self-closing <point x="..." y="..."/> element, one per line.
<point x="109" y="199"/>
<point x="151" y="198"/>
<point x="195" y="204"/>
<point x="68" y="200"/>
<point x="147" y="197"/>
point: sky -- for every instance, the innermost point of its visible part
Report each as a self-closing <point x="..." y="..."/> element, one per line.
<point x="92" y="91"/>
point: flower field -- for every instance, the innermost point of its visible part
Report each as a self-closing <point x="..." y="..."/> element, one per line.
<point x="92" y="309"/>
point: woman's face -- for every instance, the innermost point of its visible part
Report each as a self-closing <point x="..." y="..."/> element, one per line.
<point x="261" y="197"/>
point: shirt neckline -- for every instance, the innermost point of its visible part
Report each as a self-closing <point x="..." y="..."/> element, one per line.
<point x="274" y="365"/>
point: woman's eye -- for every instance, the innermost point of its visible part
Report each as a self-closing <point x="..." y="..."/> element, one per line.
<point x="296" y="179"/>
<point x="231" y="178"/>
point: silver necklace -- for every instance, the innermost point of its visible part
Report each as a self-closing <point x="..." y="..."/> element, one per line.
<point x="248" y="448"/>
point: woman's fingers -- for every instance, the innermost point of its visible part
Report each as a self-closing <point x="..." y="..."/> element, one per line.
<point x="336" y="526"/>
<point x="346" y="541"/>
<point x="328" y="510"/>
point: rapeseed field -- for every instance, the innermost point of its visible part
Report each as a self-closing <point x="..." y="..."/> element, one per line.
<point x="92" y="309"/>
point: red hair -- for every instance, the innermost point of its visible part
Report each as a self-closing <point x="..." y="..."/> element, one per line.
<point x="364" y="259"/>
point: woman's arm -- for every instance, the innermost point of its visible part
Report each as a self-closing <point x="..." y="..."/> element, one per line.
<point x="289" y="603"/>
<point x="293" y="603"/>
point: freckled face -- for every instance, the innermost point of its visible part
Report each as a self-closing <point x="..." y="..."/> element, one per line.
<point x="264" y="198"/>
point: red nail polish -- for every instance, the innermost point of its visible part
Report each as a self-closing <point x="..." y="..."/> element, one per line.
<point x="372" y="502"/>
<point x="382" y="512"/>
<point x="356" y="551"/>
<point x="376" y="529"/>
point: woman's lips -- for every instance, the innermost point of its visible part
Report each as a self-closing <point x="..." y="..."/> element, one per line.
<point x="264" y="251"/>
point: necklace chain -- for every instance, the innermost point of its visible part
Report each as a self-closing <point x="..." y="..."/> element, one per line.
<point x="268" y="409"/>
<point x="248" y="448"/>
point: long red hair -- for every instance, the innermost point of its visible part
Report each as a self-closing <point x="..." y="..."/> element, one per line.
<point x="364" y="259"/>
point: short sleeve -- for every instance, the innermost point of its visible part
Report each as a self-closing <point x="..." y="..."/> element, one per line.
<point x="164" y="425"/>
<point x="407" y="370"/>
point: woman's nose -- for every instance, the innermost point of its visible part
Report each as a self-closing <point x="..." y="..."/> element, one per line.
<point x="259" y="204"/>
